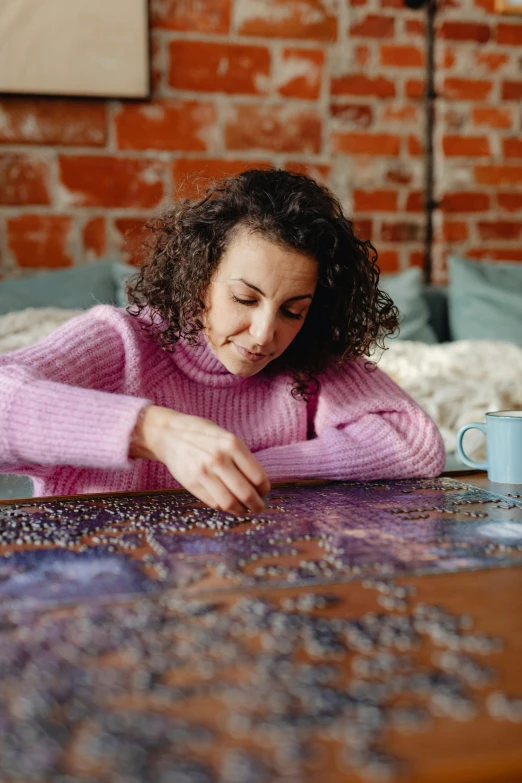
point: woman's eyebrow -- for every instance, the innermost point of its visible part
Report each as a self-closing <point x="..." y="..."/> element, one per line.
<point x="291" y="299"/>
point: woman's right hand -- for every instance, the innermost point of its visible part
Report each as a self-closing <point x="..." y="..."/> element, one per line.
<point x="213" y="464"/>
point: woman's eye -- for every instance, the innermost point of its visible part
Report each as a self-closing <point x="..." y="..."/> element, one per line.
<point x="296" y="316"/>
<point x="243" y="301"/>
<point x="286" y="313"/>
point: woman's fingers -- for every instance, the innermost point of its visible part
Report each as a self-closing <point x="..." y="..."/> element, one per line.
<point x="239" y="486"/>
<point x="251" y="469"/>
<point x="220" y="496"/>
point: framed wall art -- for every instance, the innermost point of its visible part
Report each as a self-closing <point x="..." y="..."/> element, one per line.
<point x="97" y="48"/>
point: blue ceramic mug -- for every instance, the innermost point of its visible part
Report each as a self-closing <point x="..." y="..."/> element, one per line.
<point x="503" y="431"/>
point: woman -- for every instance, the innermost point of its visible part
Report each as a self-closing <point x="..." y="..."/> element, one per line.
<point x="239" y="362"/>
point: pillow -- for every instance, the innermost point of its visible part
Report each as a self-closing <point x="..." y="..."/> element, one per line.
<point x="405" y="289"/>
<point x="120" y="274"/>
<point x="77" y="287"/>
<point x="485" y="300"/>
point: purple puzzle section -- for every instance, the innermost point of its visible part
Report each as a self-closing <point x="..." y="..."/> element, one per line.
<point x="59" y="551"/>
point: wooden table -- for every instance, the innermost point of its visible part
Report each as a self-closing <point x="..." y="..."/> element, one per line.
<point x="482" y="748"/>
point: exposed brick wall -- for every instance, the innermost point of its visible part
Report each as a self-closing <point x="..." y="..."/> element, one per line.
<point x="326" y="86"/>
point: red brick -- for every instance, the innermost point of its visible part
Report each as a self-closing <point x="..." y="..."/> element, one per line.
<point x="469" y="146"/>
<point x="511" y="202"/>
<point x="510" y="34"/>
<point x="189" y="126"/>
<point x="496" y="254"/>
<point x="374" y="26"/>
<point x="398" y="174"/>
<point x="492" y="116"/>
<point x="464" y="31"/>
<point x="357" y="114"/>
<point x="467" y="89"/>
<point x="415" y="27"/>
<point x="446" y="4"/>
<point x="104" y="181"/>
<point x="415" y="146"/>
<point x="363" y="229"/>
<point x="397" y="4"/>
<point x="414" y="88"/>
<point x="285" y="128"/>
<point x="94" y="235"/>
<point x="448" y="58"/>
<point x="415" y="201"/>
<point x="374" y="201"/>
<point x="499" y="229"/>
<point x="400" y="113"/>
<point x="402" y="55"/>
<point x="512" y="148"/>
<point x="491" y="61"/>
<point x="455" y="231"/>
<point x="360" y="84"/>
<point x="49" y="121"/>
<point x="498" y="175"/>
<point x="318" y="171"/>
<point x="366" y="143"/>
<point x="388" y="261"/>
<point x="204" y="16"/>
<point x="361" y="54"/>
<point x="300" y="73"/>
<point x="39" y="240"/>
<point x="192" y="176"/>
<point x="512" y="91"/>
<point x="486" y="5"/>
<point x="402" y="231"/>
<point x="24" y="179"/>
<point x="133" y="239"/>
<point x="313" y="19"/>
<point x="465" y="202"/>
<point x="218" y="67"/>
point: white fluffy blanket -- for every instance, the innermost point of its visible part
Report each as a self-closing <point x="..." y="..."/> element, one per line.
<point x="456" y="383"/>
<point x="30" y="325"/>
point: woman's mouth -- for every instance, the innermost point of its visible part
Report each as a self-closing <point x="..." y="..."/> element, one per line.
<point x="248" y="355"/>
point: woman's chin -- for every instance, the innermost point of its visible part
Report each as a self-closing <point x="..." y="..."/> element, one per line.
<point x="240" y="368"/>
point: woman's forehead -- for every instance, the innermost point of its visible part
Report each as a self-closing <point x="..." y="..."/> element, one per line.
<point x="252" y="255"/>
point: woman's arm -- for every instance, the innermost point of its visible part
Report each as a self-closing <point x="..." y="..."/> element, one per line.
<point x="366" y="427"/>
<point x="68" y="400"/>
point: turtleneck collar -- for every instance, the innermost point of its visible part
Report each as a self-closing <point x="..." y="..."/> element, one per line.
<point x="200" y="363"/>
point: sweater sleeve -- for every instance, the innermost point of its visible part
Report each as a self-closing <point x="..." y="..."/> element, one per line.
<point x="366" y="427"/>
<point x="69" y="399"/>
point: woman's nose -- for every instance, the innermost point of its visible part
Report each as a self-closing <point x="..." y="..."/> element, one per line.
<point x="262" y="328"/>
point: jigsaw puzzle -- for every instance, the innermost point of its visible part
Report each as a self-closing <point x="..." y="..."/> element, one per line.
<point x="54" y="551"/>
<point x="116" y="665"/>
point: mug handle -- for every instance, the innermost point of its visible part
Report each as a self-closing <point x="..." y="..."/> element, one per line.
<point x="460" y="451"/>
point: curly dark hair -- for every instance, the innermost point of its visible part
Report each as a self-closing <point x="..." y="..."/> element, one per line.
<point x="348" y="316"/>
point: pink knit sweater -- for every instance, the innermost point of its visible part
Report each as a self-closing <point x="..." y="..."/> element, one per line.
<point x="68" y="406"/>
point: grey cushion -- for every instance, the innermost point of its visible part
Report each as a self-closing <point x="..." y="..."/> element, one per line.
<point x="121" y="273"/>
<point x="485" y="300"/>
<point x="406" y="291"/>
<point x="75" y="287"/>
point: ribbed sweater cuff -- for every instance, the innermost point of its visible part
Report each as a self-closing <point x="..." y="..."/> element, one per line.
<point x="57" y="424"/>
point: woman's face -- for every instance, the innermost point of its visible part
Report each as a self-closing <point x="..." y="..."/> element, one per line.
<point x="257" y="301"/>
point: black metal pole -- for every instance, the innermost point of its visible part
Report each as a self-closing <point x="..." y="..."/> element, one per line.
<point x="430" y="98"/>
